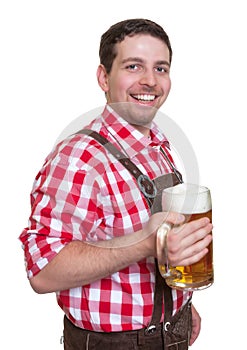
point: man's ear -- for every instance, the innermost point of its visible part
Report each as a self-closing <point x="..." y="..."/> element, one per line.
<point x="102" y="77"/>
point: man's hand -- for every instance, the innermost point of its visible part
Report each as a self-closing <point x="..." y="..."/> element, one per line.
<point x="187" y="244"/>
<point x="196" y="325"/>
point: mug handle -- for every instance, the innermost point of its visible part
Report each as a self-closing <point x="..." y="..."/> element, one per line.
<point x="162" y="256"/>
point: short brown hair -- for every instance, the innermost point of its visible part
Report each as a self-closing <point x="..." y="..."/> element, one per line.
<point x="130" y="27"/>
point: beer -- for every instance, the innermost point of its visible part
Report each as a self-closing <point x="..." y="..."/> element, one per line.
<point x="193" y="204"/>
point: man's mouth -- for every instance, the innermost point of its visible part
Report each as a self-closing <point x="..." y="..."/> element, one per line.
<point x="144" y="97"/>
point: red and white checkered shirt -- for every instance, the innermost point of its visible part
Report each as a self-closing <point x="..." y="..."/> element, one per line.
<point x="83" y="193"/>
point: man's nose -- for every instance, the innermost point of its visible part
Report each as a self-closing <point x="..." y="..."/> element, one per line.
<point x="148" y="78"/>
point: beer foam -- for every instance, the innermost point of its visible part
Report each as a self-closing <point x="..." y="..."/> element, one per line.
<point x="187" y="199"/>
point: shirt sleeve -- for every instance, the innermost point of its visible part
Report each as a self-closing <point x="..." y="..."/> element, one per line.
<point x="59" y="211"/>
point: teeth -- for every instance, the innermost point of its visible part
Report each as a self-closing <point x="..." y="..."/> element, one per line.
<point x="145" y="97"/>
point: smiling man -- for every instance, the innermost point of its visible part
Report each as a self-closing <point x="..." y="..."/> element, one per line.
<point x="138" y="74"/>
<point x="92" y="231"/>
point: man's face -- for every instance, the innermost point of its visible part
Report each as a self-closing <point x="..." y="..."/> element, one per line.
<point x="139" y="78"/>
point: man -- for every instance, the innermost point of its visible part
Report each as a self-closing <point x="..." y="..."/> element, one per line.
<point x="92" y="231"/>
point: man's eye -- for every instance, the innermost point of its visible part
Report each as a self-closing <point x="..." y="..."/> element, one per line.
<point x="162" y="69"/>
<point x="132" y="67"/>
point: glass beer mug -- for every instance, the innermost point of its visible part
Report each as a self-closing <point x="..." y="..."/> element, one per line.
<point x="194" y="202"/>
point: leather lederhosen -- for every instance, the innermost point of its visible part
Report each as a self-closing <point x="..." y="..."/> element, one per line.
<point x="174" y="332"/>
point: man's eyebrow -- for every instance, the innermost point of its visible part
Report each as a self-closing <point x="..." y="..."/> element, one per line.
<point x="140" y="60"/>
<point x="131" y="59"/>
<point x="163" y="63"/>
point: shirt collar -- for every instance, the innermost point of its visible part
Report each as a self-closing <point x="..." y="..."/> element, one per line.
<point x="130" y="139"/>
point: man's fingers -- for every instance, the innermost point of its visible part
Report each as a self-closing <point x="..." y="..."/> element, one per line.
<point x="198" y="227"/>
<point x="173" y="218"/>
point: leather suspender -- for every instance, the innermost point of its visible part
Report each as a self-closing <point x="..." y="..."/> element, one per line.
<point x="152" y="191"/>
<point x="145" y="184"/>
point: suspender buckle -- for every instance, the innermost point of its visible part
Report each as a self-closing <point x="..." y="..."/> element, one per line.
<point x="147" y="186"/>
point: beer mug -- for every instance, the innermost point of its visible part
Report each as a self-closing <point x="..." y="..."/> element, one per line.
<point x="194" y="202"/>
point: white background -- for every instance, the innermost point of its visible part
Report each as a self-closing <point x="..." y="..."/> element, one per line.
<point x="49" y="56"/>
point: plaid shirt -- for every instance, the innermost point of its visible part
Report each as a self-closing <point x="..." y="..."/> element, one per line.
<point x="83" y="193"/>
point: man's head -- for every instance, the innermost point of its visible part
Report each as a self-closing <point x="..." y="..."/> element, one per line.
<point x="130" y="27"/>
<point x="134" y="70"/>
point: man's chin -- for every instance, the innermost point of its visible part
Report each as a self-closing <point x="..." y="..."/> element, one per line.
<point x="135" y="113"/>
